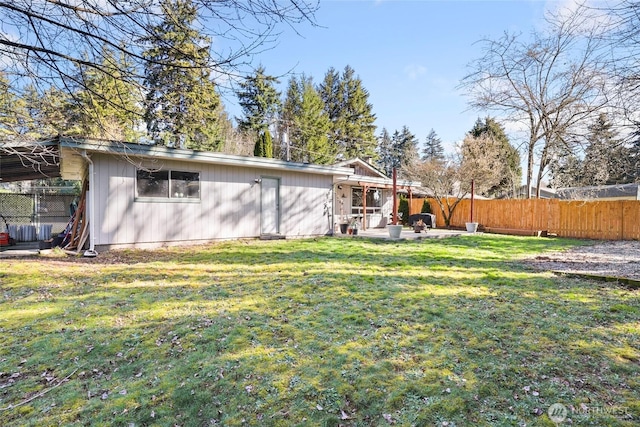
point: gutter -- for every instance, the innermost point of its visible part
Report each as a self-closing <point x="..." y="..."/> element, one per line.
<point x="91" y="252"/>
<point x="207" y="157"/>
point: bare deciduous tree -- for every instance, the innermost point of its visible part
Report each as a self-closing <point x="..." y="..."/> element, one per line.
<point x="46" y="43"/>
<point x="478" y="159"/>
<point x="624" y="38"/>
<point x="48" y="40"/>
<point x="547" y="85"/>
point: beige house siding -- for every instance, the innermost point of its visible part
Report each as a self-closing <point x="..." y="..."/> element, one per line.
<point x="229" y="204"/>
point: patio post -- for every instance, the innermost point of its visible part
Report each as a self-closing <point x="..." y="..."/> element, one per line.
<point x="394" y="218"/>
<point x="365" y="188"/>
<point x="473" y="190"/>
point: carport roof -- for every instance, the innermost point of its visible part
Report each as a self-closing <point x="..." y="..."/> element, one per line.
<point x="28" y="161"/>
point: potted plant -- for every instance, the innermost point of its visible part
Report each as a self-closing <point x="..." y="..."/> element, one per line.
<point x="344" y="224"/>
<point x="353" y="226"/>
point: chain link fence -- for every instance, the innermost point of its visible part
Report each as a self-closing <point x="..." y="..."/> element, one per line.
<point x="30" y="217"/>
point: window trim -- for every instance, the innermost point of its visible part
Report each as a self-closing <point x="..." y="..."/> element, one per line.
<point x="371" y="210"/>
<point x="168" y="198"/>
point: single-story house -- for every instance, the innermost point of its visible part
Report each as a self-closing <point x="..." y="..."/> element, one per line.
<point x="601" y="192"/>
<point x="148" y="195"/>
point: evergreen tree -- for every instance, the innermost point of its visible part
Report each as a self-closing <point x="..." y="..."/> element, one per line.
<point x="182" y="105"/>
<point x="307" y="122"/>
<point x="12" y="111"/>
<point x="49" y="114"/>
<point x="259" y="101"/>
<point x="632" y="166"/>
<point x="352" y="120"/>
<point x="34" y="123"/>
<point x="407" y="147"/>
<point x="605" y="156"/>
<point x="387" y="157"/>
<point x="403" y="209"/>
<point x="106" y="106"/>
<point x="399" y="150"/>
<point x="333" y="98"/>
<point x="264" y="145"/>
<point x="433" y="149"/>
<point x="511" y="169"/>
<point x="426" y="207"/>
<point x="565" y="169"/>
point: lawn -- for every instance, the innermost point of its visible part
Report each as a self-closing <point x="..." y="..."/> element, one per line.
<point x="321" y="332"/>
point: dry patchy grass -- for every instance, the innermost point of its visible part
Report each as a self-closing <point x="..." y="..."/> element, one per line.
<point x="349" y="332"/>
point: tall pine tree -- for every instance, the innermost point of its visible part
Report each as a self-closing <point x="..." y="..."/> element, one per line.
<point x="399" y="150"/>
<point x="107" y="106"/>
<point x="182" y="105"/>
<point x="12" y="111"/>
<point x="259" y="101"/>
<point x="308" y="123"/>
<point x="633" y="163"/>
<point x="387" y="157"/>
<point x="433" y="149"/>
<point x="351" y="115"/>
<point x="407" y="147"/>
<point x="511" y="170"/>
<point x="49" y="113"/>
<point x="605" y="156"/>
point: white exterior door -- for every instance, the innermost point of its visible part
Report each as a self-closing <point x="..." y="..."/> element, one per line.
<point x="270" y="206"/>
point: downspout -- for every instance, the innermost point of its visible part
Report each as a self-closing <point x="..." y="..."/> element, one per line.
<point x="332" y="216"/>
<point x="91" y="252"/>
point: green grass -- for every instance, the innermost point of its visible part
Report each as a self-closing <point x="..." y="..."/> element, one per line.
<point x="324" y="332"/>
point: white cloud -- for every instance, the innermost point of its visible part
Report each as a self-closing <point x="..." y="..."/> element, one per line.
<point x="594" y="12"/>
<point x="414" y="71"/>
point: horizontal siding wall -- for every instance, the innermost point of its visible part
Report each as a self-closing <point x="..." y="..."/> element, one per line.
<point x="229" y="205"/>
<point x="605" y="220"/>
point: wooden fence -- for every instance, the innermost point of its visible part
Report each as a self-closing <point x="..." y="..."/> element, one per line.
<point x="605" y="220"/>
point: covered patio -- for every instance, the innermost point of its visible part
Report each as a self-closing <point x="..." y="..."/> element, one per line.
<point x="365" y="198"/>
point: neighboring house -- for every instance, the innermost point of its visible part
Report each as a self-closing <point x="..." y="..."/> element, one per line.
<point x="601" y="192"/>
<point x="147" y="195"/>
<point x="545" y="193"/>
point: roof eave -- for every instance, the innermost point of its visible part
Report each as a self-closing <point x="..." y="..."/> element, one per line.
<point x="360" y="179"/>
<point x="154" y="151"/>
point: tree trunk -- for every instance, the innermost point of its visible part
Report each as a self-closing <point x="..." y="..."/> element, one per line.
<point x="529" y="170"/>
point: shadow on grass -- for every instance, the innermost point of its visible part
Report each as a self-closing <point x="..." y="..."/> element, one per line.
<point x="321" y="334"/>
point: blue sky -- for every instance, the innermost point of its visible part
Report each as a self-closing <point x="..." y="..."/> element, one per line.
<point x="410" y="55"/>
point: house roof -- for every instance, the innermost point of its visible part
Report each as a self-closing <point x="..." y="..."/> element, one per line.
<point x="62" y="156"/>
<point x="545" y="193"/>
<point x="362" y="167"/>
<point x="617" y="191"/>
<point x="367" y="174"/>
<point x="71" y="164"/>
<point x="71" y="147"/>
